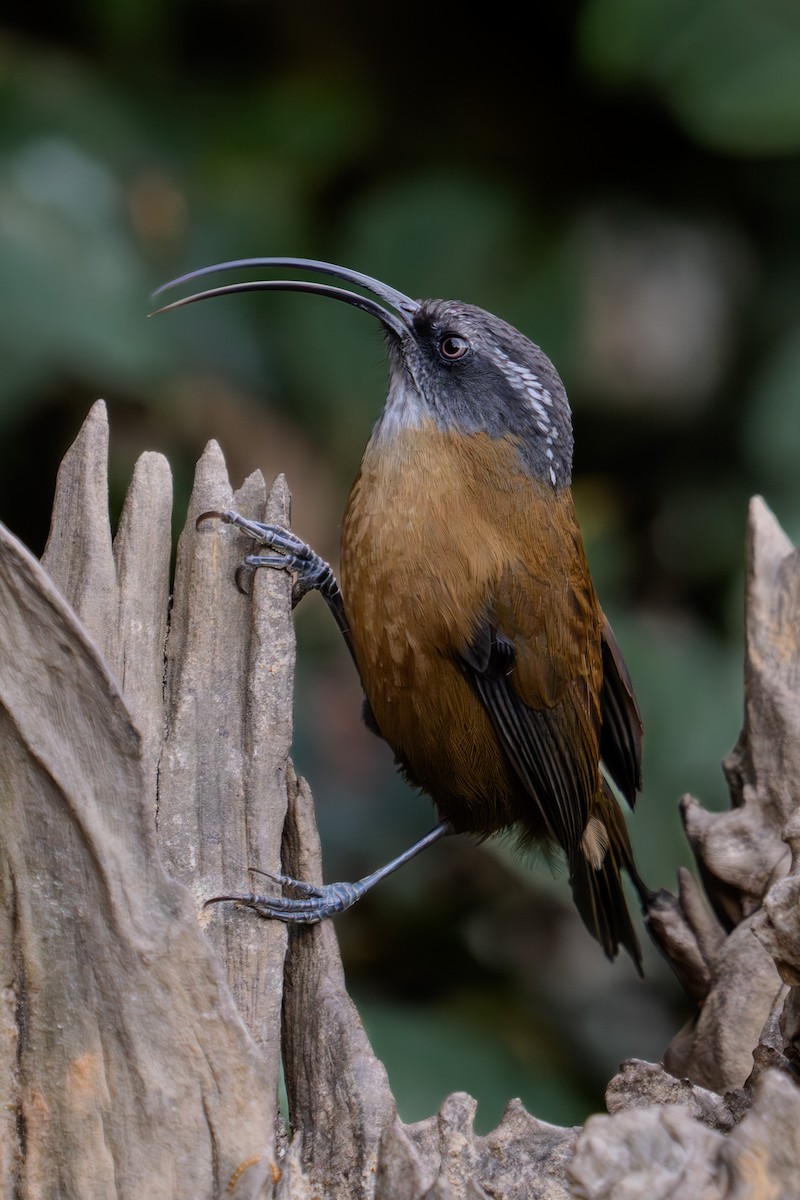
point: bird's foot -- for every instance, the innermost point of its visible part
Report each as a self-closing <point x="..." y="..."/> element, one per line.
<point x="311" y="571"/>
<point x="308" y="905"/>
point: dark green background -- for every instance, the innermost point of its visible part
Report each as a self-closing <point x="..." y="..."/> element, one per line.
<point x="621" y="180"/>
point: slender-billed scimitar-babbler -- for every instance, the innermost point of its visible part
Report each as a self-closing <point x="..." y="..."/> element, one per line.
<point x="467" y="604"/>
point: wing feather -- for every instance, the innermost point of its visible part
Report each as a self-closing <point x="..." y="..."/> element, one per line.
<point x="621" y="733"/>
<point x="544" y="745"/>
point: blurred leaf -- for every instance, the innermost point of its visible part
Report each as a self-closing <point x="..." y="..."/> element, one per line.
<point x="438" y="233"/>
<point x="727" y="68"/>
<point x="313" y="120"/>
<point x="78" y="285"/>
<point x="47" y="94"/>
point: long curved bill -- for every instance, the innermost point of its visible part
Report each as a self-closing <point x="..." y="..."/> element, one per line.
<point x="399" y="320"/>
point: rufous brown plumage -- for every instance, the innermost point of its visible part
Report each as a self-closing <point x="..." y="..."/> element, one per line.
<point x="466" y="600"/>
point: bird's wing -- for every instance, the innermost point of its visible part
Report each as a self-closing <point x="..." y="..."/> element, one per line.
<point x="535" y="664"/>
<point x="547" y="720"/>
<point x="621" y="733"/>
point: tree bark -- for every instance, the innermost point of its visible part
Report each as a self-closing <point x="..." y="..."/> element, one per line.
<point x="144" y="766"/>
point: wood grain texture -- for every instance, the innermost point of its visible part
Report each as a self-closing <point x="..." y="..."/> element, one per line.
<point x="222" y="772"/>
<point x="127" y="1070"/>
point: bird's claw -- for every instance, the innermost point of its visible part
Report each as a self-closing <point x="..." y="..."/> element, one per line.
<point x="309" y="906"/>
<point x="213" y="514"/>
<point x="299" y="886"/>
<point x="292" y="554"/>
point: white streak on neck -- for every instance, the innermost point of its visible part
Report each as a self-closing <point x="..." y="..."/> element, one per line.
<point x="403" y="409"/>
<point x="538" y="399"/>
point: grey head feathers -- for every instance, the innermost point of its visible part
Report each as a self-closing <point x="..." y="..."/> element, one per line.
<point x="467" y="369"/>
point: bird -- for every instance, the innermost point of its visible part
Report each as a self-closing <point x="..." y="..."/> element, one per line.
<point x="466" y="601"/>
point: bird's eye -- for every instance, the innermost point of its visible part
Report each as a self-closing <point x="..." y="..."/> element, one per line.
<point x="452" y="346"/>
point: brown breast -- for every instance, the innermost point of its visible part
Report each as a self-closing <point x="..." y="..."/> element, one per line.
<point x="441" y="530"/>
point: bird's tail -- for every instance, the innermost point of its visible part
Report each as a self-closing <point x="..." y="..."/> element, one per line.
<point x="596" y="879"/>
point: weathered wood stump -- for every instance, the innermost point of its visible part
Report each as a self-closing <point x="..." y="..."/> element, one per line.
<point x="144" y="764"/>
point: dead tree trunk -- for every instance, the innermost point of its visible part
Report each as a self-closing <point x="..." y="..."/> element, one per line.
<point x="144" y="762"/>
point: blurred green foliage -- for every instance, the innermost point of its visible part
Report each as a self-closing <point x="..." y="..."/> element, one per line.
<point x="624" y="186"/>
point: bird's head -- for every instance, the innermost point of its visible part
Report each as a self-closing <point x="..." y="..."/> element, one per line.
<point x="452" y="363"/>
